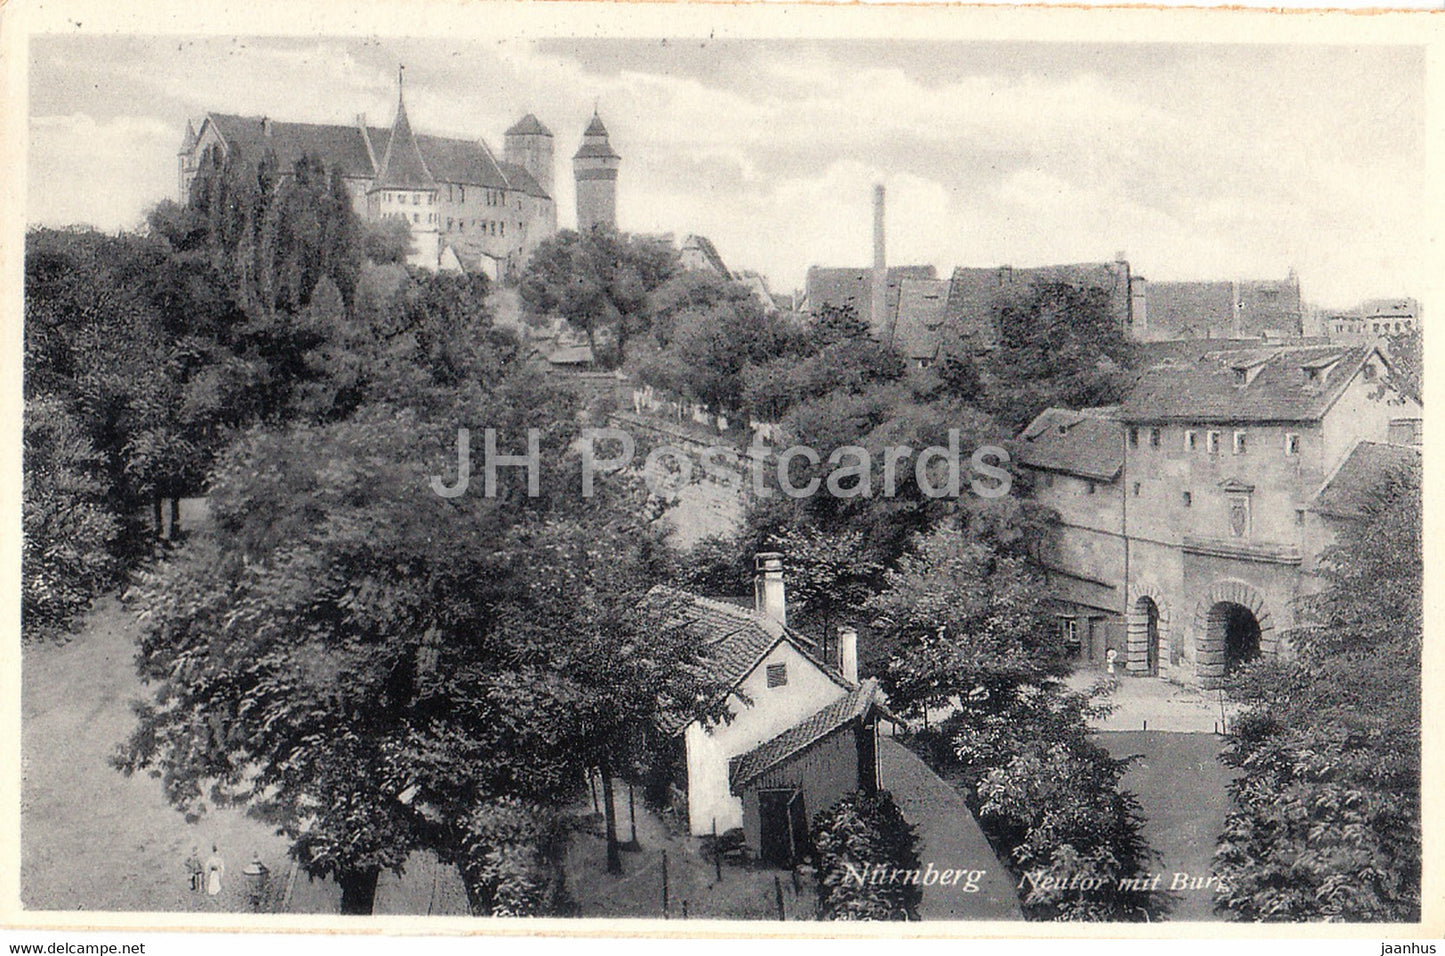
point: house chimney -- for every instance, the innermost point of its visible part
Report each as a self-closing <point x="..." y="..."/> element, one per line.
<point x="265" y="126"/>
<point x="848" y="652"/>
<point x="770" y="599"/>
<point x="879" y="300"/>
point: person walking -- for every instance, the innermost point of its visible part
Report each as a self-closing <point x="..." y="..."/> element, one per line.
<point x="215" y="867"/>
<point x="193" y="868"/>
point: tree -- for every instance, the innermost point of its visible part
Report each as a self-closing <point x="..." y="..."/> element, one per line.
<point x="830" y="577"/>
<point x="859" y="835"/>
<point x="1059" y="345"/>
<point x="599" y="282"/>
<point x="69" y="534"/>
<point x="1326" y="823"/>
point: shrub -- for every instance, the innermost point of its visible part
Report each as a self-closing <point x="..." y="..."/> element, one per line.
<point x="510" y="853"/>
<point x="860" y="835"/>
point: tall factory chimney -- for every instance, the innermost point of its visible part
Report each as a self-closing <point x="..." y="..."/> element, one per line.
<point x="879" y="300"/>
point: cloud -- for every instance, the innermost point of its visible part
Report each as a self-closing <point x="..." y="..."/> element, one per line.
<point x="1200" y="161"/>
<point x="105" y="173"/>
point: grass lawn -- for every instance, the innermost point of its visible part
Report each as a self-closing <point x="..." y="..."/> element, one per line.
<point x="1182" y="790"/>
<point x="744" y="892"/>
<point x="90" y="838"/>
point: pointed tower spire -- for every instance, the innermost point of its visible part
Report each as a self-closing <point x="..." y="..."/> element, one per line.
<point x="402" y="167"/>
<point x="594" y="167"/>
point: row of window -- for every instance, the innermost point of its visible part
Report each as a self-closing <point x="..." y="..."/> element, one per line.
<point x="417" y="218"/>
<point x="1211" y="441"/>
<point x="1379" y="328"/>
<point x="488" y="227"/>
<point x="401" y="199"/>
<point x="457" y="193"/>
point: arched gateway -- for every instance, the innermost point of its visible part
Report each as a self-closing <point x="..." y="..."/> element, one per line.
<point x="1233" y="626"/>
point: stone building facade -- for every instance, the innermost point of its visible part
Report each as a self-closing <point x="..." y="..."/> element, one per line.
<point x="465" y="208"/>
<point x="1202" y="541"/>
<point x="594" y="166"/>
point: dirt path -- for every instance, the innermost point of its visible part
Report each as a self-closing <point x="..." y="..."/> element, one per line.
<point x="91" y="838"/>
<point x="1183" y="793"/>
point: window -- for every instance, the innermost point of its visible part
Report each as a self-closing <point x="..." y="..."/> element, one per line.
<point x="1069" y="630"/>
<point x="1188" y="499"/>
<point x="1240" y="443"/>
<point x="1291" y="444"/>
<point x="1133" y="438"/>
<point x="777" y="675"/>
<point x="1211" y="443"/>
<point x="461" y="194"/>
<point x="1153" y="438"/>
<point x="503" y="226"/>
<point x="1377" y="327"/>
<point x="416" y="217"/>
<point x="431" y="199"/>
<point x="1299" y="516"/>
<point x="1136" y="489"/>
<point x="1092" y="487"/>
<point x="1191" y="440"/>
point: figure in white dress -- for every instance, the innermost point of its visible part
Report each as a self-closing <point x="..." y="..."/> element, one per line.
<point x="215" y="867"/>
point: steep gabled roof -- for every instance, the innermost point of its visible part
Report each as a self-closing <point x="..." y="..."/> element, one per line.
<point x="595" y="128"/>
<point x="339" y="147"/>
<point x="917" y="330"/>
<point x="1086" y="443"/>
<point x="529" y="125"/>
<point x="1349" y="492"/>
<point x="402" y="166"/>
<point x="848" y="286"/>
<point x="975" y="295"/>
<point x="733" y="640"/>
<point x="743" y="769"/>
<point x="709" y="253"/>
<point x="1234" y="386"/>
<point x="459" y="161"/>
<point x="189" y="143"/>
<point x="519" y="179"/>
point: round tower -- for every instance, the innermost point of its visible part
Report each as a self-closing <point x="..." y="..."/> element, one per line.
<point x="529" y="144"/>
<point x="595" y="169"/>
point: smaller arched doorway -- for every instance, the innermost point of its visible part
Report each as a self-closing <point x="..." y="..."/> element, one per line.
<point x="1148" y="613"/>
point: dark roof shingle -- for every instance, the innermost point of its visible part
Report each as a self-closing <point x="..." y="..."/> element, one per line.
<point x="846" y="286"/>
<point x="1349" y="492"/>
<point x="749" y="766"/>
<point x="732" y="639"/>
<point x="1087" y="443"/>
<point x="1269" y="384"/>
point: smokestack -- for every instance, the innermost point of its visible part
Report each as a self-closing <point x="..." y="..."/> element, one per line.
<point x="769" y="597"/>
<point x="848" y="652"/>
<point x="879" y="303"/>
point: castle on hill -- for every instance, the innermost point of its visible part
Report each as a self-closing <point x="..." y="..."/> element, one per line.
<point x="467" y="209"/>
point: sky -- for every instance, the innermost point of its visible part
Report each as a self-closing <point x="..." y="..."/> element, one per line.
<point x="1195" y="161"/>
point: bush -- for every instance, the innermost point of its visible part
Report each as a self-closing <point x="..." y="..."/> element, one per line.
<point x="510" y="859"/>
<point x="69" y="530"/>
<point x="1049" y="800"/>
<point x="860" y="835"/>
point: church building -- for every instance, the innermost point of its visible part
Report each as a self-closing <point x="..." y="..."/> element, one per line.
<point x="467" y="208"/>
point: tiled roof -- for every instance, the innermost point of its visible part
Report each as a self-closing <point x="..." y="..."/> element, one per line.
<point x="402" y="166"/>
<point x="460" y="161"/>
<point x="520" y="179"/>
<point x="733" y="639"/>
<point x="975" y="295"/>
<point x="595" y="128"/>
<point x="595" y="151"/>
<point x="446" y="159"/>
<point x="1087" y="443"/>
<point x="1246" y="385"/>
<point x="709" y="253"/>
<point x="1349" y="492"/>
<point x="753" y="764"/>
<point x="840" y="287"/>
<point x="916" y="330"/>
<point x="529" y="125"/>
<point x="338" y="146"/>
<point x="1166" y="352"/>
<point x="1208" y="309"/>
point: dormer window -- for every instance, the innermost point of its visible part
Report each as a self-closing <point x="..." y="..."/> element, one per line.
<point x="777" y="675"/>
<point x="1241" y="376"/>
